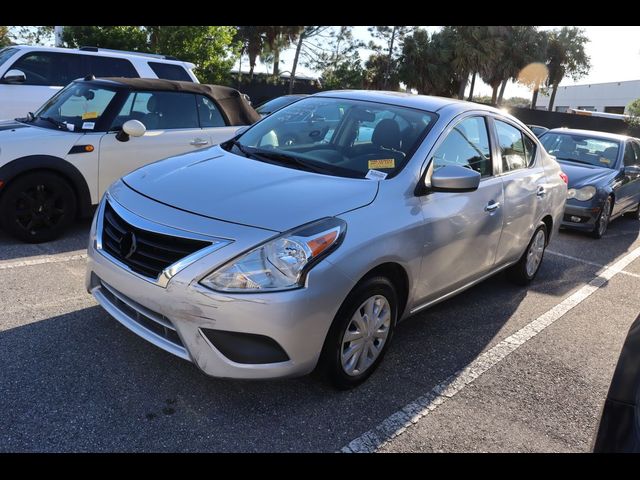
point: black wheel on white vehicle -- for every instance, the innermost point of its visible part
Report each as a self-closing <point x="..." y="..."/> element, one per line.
<point x="523" y="272"/>
<point x="37" y="207"/>
<point x="360" y="334"/>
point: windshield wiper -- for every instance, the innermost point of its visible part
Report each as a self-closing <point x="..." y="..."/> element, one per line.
<point x="57" y="123"/>
<point x="289" y="160"/>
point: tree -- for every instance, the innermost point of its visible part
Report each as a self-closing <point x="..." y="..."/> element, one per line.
<point x="493" y="70"/>
<point x="392" y="38"/>
<point x="340" y="62"/>
<point x="467" y="53"/>
<point x="566" y="57"/>
<point x="32" y="35"/>
<point x="208" y="47"/>
<point x="633" y="109"/>
<point x="307" y="48"/>
<point x="521" y="49"/>
<point x="5" y="39"/>
<point x="278" y="38"/>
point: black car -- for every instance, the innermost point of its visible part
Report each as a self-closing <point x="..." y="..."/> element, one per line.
<point x="604" y="176"/>
<point x="619" y="429"/>
<point x="270" y="106"/>
<point x="538" y="130"/>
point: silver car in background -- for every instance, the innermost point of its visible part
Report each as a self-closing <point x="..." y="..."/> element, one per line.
<point x="260" y="259"/>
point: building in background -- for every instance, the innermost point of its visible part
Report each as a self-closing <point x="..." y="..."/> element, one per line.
<point x="610" y="97"/>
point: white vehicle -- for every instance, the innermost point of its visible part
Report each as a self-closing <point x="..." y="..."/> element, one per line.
<point x="56" y="164"/>
<point x="30" y="75"/>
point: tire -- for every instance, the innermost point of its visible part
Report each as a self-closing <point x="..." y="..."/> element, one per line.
<point x="37" y="207"/>
<point x="603" y="219"/>
<point x="523" y="273"/>
<point x="332" y="364"/>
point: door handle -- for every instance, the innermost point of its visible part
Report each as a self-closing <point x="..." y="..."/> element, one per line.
<point x="541" y="192"/>
<point x="492" y="206"/>
<point x="198" y="142"/>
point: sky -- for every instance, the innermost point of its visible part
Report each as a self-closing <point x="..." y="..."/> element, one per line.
<point x="614" y="53"/>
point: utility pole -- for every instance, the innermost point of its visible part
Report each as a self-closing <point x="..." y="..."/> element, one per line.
<point x="57" y="32"/>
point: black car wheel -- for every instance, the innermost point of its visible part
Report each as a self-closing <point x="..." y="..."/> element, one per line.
<point x="603" y="220"/>
<point x="37" y="207"/>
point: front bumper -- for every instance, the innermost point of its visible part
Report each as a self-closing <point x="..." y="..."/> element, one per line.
<point x="177" y="317"/>
<point x="581" y="217"/>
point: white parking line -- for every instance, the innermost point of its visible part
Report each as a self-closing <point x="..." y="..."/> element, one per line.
<point x="4" y="265"/>
<point x="397" y="423"/>
<point x="564" y="255"/>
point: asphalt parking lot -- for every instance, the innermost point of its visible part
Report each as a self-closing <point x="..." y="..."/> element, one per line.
<point x="498" y="368"/>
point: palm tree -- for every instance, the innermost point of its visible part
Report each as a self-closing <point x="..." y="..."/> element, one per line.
<point x="278" y="38"/>
<point x="493" y="70"/>
<point x="520" y="51"/>
<point x="566" y="56"/>
<point x="467" y="54"/>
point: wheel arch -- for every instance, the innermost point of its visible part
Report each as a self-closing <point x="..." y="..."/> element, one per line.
<point x="398" y="276"/>
<point x="32" y="163"/>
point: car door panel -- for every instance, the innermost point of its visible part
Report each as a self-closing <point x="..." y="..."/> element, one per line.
<point x="627" y="193"/>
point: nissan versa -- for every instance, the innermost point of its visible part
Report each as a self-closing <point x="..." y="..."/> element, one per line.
<point x="255" y="259"/>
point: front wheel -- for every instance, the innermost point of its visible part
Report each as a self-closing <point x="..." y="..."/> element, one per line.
<point x="37" y="207"/>
<point x="360" y="334"/>
<point x="523" y="272"/>
<point x="603" y="220"/>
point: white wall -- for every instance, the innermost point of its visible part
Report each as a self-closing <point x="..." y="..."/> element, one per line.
<point x="598" y="95"/>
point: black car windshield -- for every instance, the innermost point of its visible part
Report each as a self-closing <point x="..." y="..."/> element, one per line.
<point x="273" y="105"/>
<point x="77" y="107"/>
<point x="581" y="148"/>
<point x="337" y="137"/>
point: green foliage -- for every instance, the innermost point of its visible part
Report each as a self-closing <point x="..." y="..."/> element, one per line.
<point x="347" y="73"/>
<point x="4" y="36"/>
<point x="31" y="35"/>
<point x="633" y="109"/>
<point x="208" y="47"/>
<point x="340" y="61"/>
<point x="566" y="56"/>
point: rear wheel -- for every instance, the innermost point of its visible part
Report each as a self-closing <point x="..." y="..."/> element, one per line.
<point x="360" y="334"/>
<point x="523" y="272"/>
<point x="37" y="207"/>
<point x="603" y="220"/>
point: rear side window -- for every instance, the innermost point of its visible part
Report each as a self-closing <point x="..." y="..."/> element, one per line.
<point x="530" y="149"/>
<point x="170" y="72"/>
<point x="51" y="68"/>
<point x="467" y="145"/>
<point x="512" y="148"/>
<point x="209" y="113"/>
<point x="159" y="110"/>
<point x="111" y="67"/>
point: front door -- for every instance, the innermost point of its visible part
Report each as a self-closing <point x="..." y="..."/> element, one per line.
<point x="171" y="119"/>
<point x="462" y="230"/>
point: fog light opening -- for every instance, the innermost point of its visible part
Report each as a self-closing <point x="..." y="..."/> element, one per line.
<point x="575" y="219"/>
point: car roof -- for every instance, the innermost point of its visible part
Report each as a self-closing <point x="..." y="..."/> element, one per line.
<point x="591" y="133"/>
<point x="104" y="52"/>
<point x="422" y="102"/>
<point x="234" y="104"/>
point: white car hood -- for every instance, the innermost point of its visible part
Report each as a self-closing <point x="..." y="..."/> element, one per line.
<point x="19" y="140"/>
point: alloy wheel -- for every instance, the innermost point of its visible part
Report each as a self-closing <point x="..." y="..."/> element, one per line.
<point x="535" y="253"/>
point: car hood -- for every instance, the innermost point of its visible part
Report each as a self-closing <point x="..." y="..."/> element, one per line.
<point x="583" y="175"/>
<point x="224" y="186"/>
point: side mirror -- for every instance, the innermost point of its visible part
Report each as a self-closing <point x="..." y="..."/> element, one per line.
<point x="452" y="178"/>
<point x="131" y="128"/>
<point x="633" y="170"/>
<point x="14" y="76"/>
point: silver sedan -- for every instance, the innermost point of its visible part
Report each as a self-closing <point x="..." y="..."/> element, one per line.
<point x="259" y="258"/>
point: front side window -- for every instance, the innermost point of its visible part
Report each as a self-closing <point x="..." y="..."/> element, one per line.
<point x="337" y="136"/>
<point x="467" y="145"/>
<point x="209" y="113"/>
<point x="77" y="107"/>
<point x="510" y="140"/>
<point x="581" y="148"/>
<point x="630" y="155"/>
<point x="51" y="68"/>
<point x="159" y="110"/>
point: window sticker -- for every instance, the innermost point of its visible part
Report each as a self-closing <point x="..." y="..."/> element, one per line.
<point x="604" y="160"/>
<point x="88" y="125"/>
<point x="89" y="115"/>
<point x="375" y="175"/>
<point x="382" y="163"/>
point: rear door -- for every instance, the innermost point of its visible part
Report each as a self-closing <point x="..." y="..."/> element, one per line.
<point x="525" y="190"/>
<point x="171" y="119"/>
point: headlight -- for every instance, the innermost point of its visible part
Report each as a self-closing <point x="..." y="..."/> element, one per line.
<point x="281" y="263"/>
<point x="582" y="194"/>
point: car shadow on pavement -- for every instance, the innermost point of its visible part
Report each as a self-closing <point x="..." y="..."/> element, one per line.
<point x="80" y="381"/>
<point x="72" y="240"/>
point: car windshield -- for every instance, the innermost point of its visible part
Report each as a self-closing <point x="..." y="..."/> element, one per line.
<point x="338" y="137"/>
<point x="276" y="103"/>
<point x="5" y="53"/>
<point x="77" y="107"/>
<point x="581" y="148"/>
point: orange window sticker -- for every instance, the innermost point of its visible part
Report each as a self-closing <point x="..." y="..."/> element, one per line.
<point x="606" y="161"/>
<point x="89" y="115"/>
<point x="383" y="163"/>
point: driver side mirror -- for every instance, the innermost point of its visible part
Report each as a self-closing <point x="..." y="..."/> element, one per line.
<point x="632" y="170"/>
<point x="131" y="128"/>
<point x="452" y="178"/>
<point x="14" y="76"/>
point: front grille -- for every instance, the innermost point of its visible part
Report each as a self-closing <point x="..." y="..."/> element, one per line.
<point x="152" y="321"/>
<point x="153" y="251"/>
